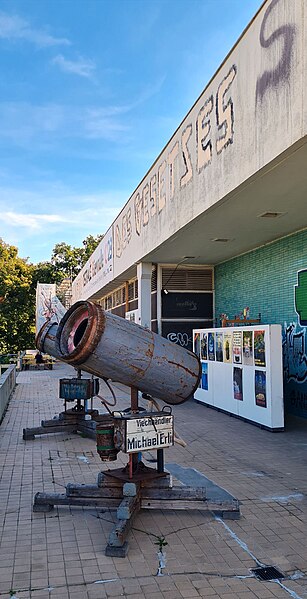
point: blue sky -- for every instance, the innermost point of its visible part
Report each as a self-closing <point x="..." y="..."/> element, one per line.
<point x="90" y="92"/>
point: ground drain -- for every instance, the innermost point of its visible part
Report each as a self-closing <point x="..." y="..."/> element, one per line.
<point x="267" y="573"/>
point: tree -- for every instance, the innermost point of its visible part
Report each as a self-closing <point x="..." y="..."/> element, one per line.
<point x="90" y="243"/>
<point x="45" y="272"/>
<point x="68" y="260"/>
<point x="18" y="282"/>
<point x="16" y="309"/>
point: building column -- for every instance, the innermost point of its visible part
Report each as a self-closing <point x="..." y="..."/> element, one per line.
<point x="144" y="293"/>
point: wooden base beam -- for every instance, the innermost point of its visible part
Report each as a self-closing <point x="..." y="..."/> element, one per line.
<point x="72" y="423"/>
<point x="128" y="498"/>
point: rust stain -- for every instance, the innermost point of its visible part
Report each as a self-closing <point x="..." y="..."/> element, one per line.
<point x="137" y="369"/>
<point x="193" y="374"/>
<point x="150" y="351"/>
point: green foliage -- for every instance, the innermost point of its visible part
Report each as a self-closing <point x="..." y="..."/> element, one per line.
<point x="90" y="243"/>
<point x="161" y="542"/>
<point x="45" y="272"/>
<point x="16" y="307"/>
<point x="18" y="282"/>
<point x="68" y="261"/>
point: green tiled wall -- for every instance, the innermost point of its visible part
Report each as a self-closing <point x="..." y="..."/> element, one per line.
<point x="264" y="281"/>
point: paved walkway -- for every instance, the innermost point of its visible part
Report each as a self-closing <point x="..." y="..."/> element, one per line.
<point x="60" y="555"/>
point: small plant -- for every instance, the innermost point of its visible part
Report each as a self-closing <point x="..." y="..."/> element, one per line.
<point x="161" y="542"/>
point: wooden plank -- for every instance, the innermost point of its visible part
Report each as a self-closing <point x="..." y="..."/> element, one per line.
<point x="158" y="483"/>
<point x="78" y="490"/>
<point x="176" y="504"/>
<point x="54" y="422"/>
<point x="29" y="433"/>
<point x="127" y="507"/>
<point x="221" y="508"/>
<point x="62" y="499"/>
<point x="174" y="493"/>
<point x="119" y="533"/>
<point x="109" y="481"/>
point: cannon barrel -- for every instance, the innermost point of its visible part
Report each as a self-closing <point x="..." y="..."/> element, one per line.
<point x="45" y="339"/>
<point x="109" y="346"/>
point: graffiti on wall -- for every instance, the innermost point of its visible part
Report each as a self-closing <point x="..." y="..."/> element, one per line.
<point x="295" y="351"/>
<point x="209" y="134"/>
<point x="205" y="135"/>
<point x="182" y="339"/>
<point x="285" y="34"/>
<point x="294" y="354"/>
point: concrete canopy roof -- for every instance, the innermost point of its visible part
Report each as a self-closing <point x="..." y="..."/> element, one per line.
<point x="280" y="187"/>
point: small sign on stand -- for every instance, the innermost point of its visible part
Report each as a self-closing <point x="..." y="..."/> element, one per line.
<point x="144" y="431"/>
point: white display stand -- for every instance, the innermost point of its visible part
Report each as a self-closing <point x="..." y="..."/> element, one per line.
<point x="242" y="372"/>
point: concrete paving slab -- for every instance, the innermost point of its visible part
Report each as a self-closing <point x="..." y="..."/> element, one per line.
<point x="61" y="555"/>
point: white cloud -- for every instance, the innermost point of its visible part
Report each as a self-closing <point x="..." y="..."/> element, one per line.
<point x="13" y="27"/>
<point x="24" y="123"/>
<point x="99" y="125"/>
<point x="39" y="217"/>
<point x="81" y="67"/>
<point x="42" y="211"/>
<point x="29" y="221"/>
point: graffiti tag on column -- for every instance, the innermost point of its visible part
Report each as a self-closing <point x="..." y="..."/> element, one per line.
<point x="281" y="71"/>
<point x="294" y="354"/>
<point x="194" y="149"/>
<point x="182" y="339"/>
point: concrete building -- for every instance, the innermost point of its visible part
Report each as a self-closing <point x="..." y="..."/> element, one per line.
<point x="219" y="222"/>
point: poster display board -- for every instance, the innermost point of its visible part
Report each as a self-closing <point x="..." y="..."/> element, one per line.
<point x="242" y="372"/>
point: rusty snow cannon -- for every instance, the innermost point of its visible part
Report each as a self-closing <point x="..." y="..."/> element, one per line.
<point x="109" y="346"/>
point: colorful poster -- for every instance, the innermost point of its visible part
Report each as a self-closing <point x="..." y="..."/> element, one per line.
<point x="196" y="344"/>
<point x="204" y="346"/>
<point x="260" y="388"/>
<point x="248" y="348"/>
<point x="219" y="347"/>
<point x="259" y="348"/>
<point x="211" y="346"/>
<point x="204" y="376"/>
<point x="237" y="347"/>
<point x="227" y="347"/>
<point x="237" y="383"/>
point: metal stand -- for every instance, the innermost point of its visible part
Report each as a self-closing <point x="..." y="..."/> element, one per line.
<point x="76" y="419"/>
<point x="130" y="489"/>
<point x="70" y="421"/>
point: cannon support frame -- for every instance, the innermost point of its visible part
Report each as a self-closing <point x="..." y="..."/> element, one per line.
<point x="130" y="489"/>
